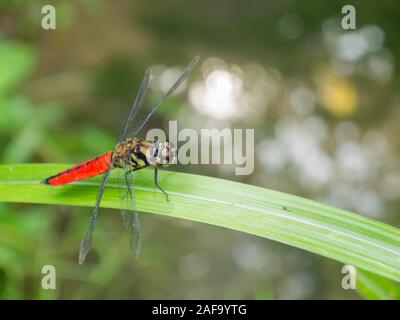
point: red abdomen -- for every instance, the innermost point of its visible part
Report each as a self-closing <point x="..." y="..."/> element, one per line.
<point x="83" y="170"/>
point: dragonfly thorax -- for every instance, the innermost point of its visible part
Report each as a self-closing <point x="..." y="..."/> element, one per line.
<point x="137" y="153"/>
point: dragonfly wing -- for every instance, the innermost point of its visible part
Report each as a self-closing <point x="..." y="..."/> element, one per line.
<point x="175" y="86"/>
<point x="129" y="213"/>
<point x="136" y="105"/>
<point x="87" y="238"/>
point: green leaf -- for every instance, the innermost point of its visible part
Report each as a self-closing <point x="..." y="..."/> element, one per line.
<point x="331" y="232"/>
<point x="374" y="287"/>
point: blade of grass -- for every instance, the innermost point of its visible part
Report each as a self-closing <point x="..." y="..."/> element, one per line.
<point x="331" y="232"/>
<point x="374" y="287"/>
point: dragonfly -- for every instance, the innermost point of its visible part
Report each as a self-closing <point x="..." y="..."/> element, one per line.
<point x="129" y="154"/>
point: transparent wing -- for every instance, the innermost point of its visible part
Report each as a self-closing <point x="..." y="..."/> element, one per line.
<point x="129" y="213"/>
<point x="130" y="216"/>
<point x="177" y="83"/>
<point x="136" y="105"/>
<point x="87" y="237"/>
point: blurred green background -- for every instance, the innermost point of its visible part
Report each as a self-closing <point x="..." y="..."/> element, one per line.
<point x="324" y="103"/>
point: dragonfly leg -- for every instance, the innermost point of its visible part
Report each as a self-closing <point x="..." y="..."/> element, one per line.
<point x="156" y="182"/>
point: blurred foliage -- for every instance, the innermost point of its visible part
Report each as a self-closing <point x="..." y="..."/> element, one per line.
<point x="64" y="94"/>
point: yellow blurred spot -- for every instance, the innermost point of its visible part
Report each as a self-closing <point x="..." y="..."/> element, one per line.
<point x="338" y="95"/>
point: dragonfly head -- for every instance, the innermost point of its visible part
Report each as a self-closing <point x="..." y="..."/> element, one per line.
<point x="161" y="153"/>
